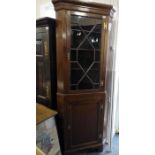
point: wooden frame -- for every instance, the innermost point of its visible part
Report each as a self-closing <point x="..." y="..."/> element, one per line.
<point x="50" y="54"/>
<point x="71" y="103"/>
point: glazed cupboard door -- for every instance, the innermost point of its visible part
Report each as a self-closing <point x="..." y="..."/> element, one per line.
<point x="85" y="51"/>
<point x="43" y="89"/>
<point x="85" y="114"/>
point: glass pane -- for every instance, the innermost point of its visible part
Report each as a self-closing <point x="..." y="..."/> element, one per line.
<point x="76" y="72"/>
<point x="85" y="58"/>
<point x="77" y="37"/>
<point x="95" y="39"/>
<point x="96" y="86"/>
<point x="98" y="28"/>
<point x="42" y="62"/>
<point x="94" y="72"/>
<point x="85" y="52"/>
<point x="86" y="44"/>
<point x="97" y="55"/>
<point x="73" y="55"/>
<point x="87" y="27"/>
<point x="85" y="84"/>
<point x="39" y="47"/>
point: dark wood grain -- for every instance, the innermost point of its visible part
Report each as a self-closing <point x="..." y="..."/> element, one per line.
<point x="85" y="6"/>
<point x="81" y="112"/>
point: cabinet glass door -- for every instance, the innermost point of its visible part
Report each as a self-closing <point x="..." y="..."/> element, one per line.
<point x="42" y="64"/>
<point x="85" y="52"/>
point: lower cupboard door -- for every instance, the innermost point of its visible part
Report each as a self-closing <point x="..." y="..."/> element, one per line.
<point x="85" y="122"/>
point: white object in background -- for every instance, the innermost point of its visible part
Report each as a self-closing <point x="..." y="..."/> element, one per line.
<point x="47" y="10"/>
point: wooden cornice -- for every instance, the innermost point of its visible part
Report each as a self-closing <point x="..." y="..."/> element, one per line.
<point x="84" y="5"/>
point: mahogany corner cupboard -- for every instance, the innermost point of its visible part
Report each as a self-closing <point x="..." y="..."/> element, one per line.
<point x="46" y="62"/>
<point x="82" y="44"/>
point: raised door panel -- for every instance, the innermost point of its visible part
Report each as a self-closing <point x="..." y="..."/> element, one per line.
<point x="85" y="120"/>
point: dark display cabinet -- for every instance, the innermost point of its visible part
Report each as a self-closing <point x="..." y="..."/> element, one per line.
<point x="82" y="34"/>
<point x="46" y="62"/>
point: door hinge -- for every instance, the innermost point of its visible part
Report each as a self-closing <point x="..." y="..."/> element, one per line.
<point x="105" y="25"/>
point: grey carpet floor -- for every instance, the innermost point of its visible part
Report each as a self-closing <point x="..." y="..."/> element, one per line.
<point x="115" y="148"/>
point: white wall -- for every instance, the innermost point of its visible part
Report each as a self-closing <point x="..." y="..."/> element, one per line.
<point x="44" y="8"/>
